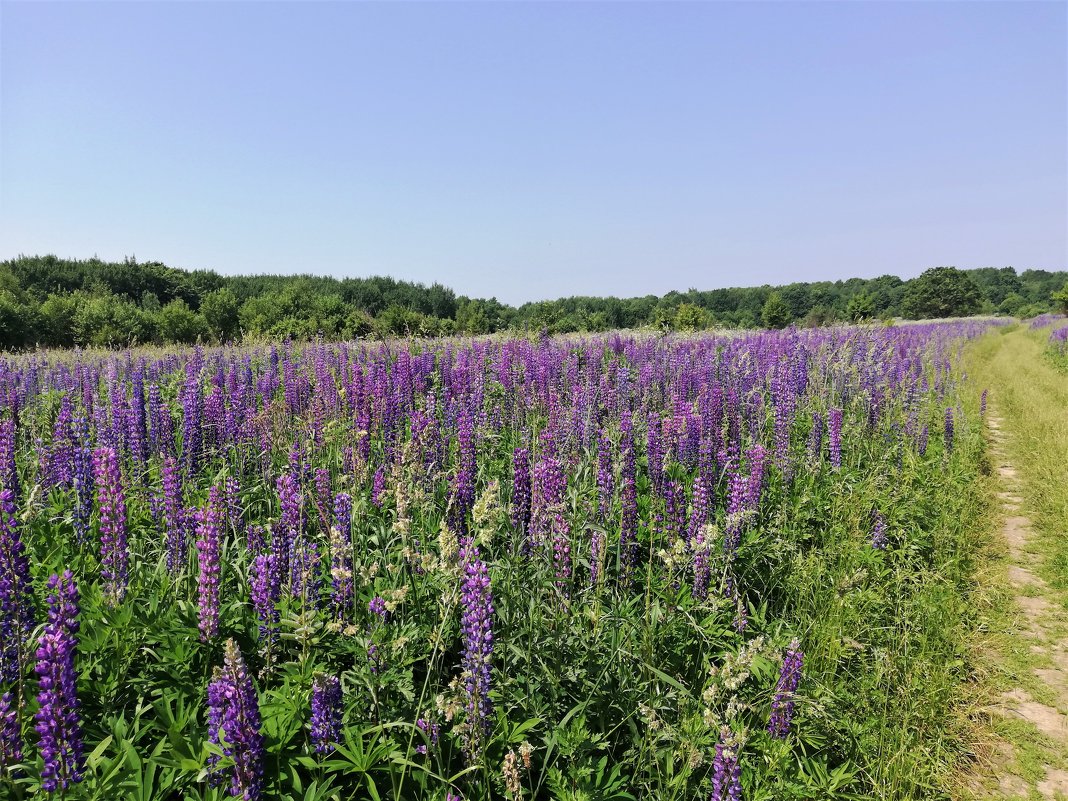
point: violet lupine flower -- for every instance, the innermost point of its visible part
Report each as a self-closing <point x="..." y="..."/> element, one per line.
<point x="83" y="478"/>
<point x="325" y="712"/>
<point x="878" y="530"/>
<point x="628" y="523"/>
<point x="61" y="454"/>
<point x="782" y="706"/>
<point x="378" y="487"/>
<point x="463" y="489"/>
<point x="173" y="515"/>
<point x="57" y="721"/>
<point x="341" y="580"/>
<point x="921" y="445"/>
<point x="477" y="629"/>
<point x="948" y="433"/>
<point x="16" y="600"/>
<point x="10" y="736"/>
<point x="9" y="474"/>
<point x="726" y="772"/>
<point x="521" y="489"/>
<point x="265" y="590"/>
<point x="114" y="551"/>
<point x="291" y="524"/>
<point x="234" y="725"/>
<point x="431" y="729"/>
<point x="210" y="521"/>
<point x="834" y="437"/>
<point x="323" y="497"/>
<point x="377" y="606"/>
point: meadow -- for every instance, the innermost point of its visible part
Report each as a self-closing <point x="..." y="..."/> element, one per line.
<point x="606" y="567"/>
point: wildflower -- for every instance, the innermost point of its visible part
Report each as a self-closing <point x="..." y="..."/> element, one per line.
<point x="210" y="521"/>
<point x="114" y="552"/>
<point x="10" y="736"/>
<point x="234" y="724"/>
<point x="726" y="772"/>
<point x="57" y="719"/>
<point x="325" y="712"/>
<point x="477" y="629"/>
<point x="782" y="706"/>
<point x="510" y="773"/>
<point x="16" y="601"/>
<point x="266" y="590"/>
<point x="878" y="530"/>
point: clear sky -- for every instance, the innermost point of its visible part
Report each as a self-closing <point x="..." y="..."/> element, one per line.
<point x="530" y="150"/>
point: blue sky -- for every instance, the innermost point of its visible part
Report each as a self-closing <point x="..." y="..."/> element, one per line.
<point x="532" y="150"/>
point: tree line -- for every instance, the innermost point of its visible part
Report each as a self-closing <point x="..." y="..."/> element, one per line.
<point x="48" y="301"/>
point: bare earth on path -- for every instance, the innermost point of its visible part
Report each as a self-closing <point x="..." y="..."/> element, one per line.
<point x="1037" y="693"/>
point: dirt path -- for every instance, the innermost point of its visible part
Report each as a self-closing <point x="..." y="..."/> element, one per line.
<point x="1027" y="762"/>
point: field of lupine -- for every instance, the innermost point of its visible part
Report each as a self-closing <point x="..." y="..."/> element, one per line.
<point x="607" y="568"/>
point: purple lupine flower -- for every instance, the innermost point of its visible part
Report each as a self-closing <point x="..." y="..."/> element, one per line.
<point x="782" y="706"/>
<point x="378" y="487"/>
<point x="210" y="521"/>
<point x="16" y="599"/>
<point x="83" y="478"/>
<point x="726" y="772"/>
<point x="265" y="590"/>
<point x="628" y="523"/>
<point x="477" y="629"/>
<point x="377" y="606"/>
<point x="325" y="712"/>
<point x="9" y="474"/>
<point x="57" y="721"/>
<point x="10" y="735"/>
<point x="342" y="586"/>
<point x="521" y="489"/>
<point x="61" y="454"/>
<point x="834" y="437"/>
<point x="291" y="524"/>
<point x="948" y="433"/>
<point x="878" y="530"/>
<point x="431" y="729"/>
<point x="114" y="551"/>
<point x="234" y="725"/>
<point x="921" y="444"/>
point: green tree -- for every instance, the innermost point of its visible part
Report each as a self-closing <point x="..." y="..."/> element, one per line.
<point x="1012" y="304"/>
<point x="176" y="322"/>
<point x="690" y="317"/>
<point x="775" y="313"/>
<point x="942" y="292"/>
<point x="220" y="309"/>
<point x="860" y="307"/>
<point x="1061" y="299"/>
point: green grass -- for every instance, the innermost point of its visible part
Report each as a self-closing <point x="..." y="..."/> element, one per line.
<point x="1030" y="396"/>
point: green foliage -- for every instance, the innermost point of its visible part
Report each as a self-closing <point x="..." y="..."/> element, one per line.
<point x="46" y="292"/>
<point x="775" y="313"/>
<point x="690" y="317"/>
<point x="1061" y="299"/>
<point x="942" y="292"/>
<point x="176" y="322"/>
<point x="861" y="307"/>
<point x="220" y="310"/>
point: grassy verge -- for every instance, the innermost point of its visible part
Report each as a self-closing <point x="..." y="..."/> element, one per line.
<point x="1030" y="396"/>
